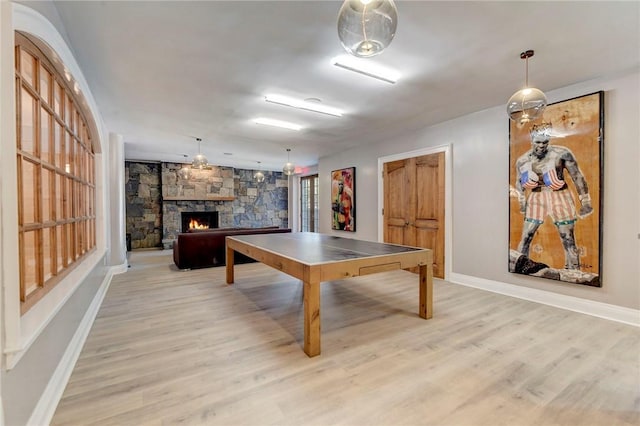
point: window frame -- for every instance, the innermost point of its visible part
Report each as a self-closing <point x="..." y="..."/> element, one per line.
<point x="63" y="177"/>
<point x="311" y="206"/>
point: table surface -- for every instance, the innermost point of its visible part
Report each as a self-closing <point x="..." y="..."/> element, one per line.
<point x="311" y="248"/>
<point x="314" y="258"/>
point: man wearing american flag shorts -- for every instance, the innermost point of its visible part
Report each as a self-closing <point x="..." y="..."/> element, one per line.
<point x="542" y="171"/>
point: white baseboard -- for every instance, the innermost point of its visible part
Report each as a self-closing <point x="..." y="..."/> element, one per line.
<point x="120" y="269"/>
<point x="48" y="402"/>
<point x="576" y="304"/>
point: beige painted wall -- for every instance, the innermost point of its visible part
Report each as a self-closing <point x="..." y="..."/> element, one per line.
<point x="480" y="155"/>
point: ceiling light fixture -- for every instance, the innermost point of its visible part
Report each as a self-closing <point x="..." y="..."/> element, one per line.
<point x="366" y="67"/>
<point x="305" y="105"/>
<point x="200" y="161"/>
<point x="259" y="176"/>
<point x="289" y="168"/>
<point x="367" y="27"/>
<point x="528" y="103"/>
<point x="277" y="123"/>
<point x="184" y="172"/>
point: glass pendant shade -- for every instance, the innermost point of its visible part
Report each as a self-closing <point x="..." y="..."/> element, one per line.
<point x="184" y="173"/>
<point x="529" y="103"/>
<point x="526" y="105"/>
<point x="289" y="168"/>
<point x="199" y="161"/>
<point x="367" y="27"/>
<point x="259" y="176"/>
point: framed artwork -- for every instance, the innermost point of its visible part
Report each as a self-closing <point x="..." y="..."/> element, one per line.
<point x="343" y="199"/>
<point x="555" y="188"/>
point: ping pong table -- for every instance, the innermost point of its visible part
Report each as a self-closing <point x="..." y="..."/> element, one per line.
<point x="313" y="258"/>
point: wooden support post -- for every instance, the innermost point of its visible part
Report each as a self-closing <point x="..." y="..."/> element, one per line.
<point x="311" y="294"/>
<point x="229" y="261"/>
<point x="426" y="290"/>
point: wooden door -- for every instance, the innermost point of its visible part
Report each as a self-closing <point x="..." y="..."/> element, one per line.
<point x="396" y="200"/>
<point x="414" y="205"/>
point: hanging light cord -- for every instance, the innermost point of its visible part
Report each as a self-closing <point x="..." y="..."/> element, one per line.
<point x="526" y="55"/>
<point x="526" y="83"/>
<point x="364" y="28"/>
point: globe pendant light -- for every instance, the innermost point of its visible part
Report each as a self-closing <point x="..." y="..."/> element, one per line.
<point x="259" y="176"/>
<point x="184" y="173"/>
<point x="529" y="103"/>
<point x="199" y="161"/>
<point x="366" y="27"/>
<point x="288" y="168"/>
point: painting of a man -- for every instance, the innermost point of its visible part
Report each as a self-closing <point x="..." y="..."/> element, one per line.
<point x="552" y="192"/>
<point x="342" y="199"/>
<point x="541" y="171"/>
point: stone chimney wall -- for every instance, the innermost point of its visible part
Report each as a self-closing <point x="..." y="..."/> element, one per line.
<point x="239" y="200"/>
<point x="143" y="203"/>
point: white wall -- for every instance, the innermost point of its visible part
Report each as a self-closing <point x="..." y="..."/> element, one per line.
<point x="480" y="155"/>
<point x="40" y="347"/>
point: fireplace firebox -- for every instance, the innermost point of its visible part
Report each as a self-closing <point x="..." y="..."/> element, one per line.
<point x="198" y="220"/>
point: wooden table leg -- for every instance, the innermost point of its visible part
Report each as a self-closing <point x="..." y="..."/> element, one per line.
<point x="229" y="262"/>
<point x="311" y="294"/>
<point x="426" y="291"/>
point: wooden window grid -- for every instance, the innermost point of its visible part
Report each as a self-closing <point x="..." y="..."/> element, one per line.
<point x="56" y="175"/>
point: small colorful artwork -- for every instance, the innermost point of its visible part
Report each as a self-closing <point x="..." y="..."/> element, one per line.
<point x="343" y="199"/>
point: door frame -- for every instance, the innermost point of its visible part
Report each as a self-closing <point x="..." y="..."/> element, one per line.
<point x="448" y="214"/>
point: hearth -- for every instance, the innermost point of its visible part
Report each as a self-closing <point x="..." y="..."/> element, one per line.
<point x="198" y="220"/>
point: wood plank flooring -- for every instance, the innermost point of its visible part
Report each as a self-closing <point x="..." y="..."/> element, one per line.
<point x="171" y="347"/>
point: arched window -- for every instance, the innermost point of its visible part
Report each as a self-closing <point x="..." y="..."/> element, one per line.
<point x="56" y="174"/>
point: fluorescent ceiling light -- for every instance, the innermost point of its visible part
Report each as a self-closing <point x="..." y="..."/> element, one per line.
<point x="300" y="104"/>
<point x="366" y="67"/>
<point x="277" y="123"/>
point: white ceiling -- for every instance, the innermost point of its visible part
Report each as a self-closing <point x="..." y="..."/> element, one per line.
<point x="163" y="73"/>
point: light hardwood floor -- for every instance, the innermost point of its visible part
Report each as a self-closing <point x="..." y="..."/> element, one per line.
<point x="171" y="347"/>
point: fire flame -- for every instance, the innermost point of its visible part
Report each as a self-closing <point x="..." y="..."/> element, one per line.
<point x="194" y="224"/>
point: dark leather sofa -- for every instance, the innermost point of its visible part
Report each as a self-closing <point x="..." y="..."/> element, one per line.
<point x="203" y="249"/>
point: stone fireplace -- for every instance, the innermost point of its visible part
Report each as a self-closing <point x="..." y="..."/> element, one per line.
<point x="172" y="212"/>
<point x="158" y="195"/>
<point x="199" y="220"/>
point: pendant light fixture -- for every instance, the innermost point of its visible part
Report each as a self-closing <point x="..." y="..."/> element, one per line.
<point x="366" y="27"/>
<point x="259" y="176"/>
<point x="289" y="168"/>
<point x="528" y="103"/>
<point x="184" y="173"/>
<point x="200" y="161"/>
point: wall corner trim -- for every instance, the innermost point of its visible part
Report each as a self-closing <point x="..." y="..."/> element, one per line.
<point x="571" y="303"/>
<point x="48" y="402"/>
<point x="119" y="269"/>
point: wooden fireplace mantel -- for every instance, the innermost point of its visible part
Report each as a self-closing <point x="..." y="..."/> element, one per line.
<point x="212" y="198"/>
